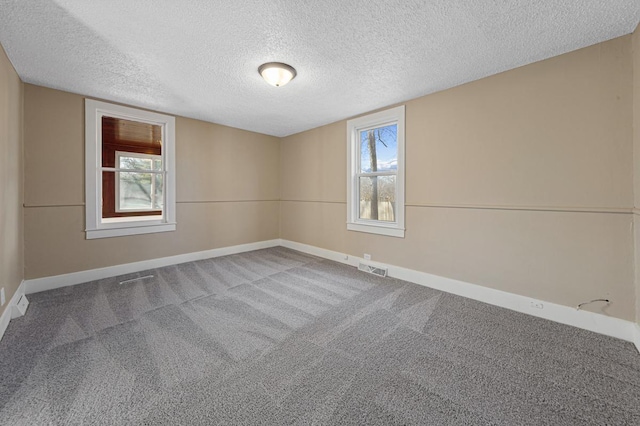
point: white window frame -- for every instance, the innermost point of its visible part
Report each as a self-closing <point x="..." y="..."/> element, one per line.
<point x="96" y="226"/>
<point x="151" y="157"/>
<point x="354" y="127"/>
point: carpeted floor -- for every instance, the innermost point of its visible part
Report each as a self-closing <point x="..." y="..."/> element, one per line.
<point x="277" y="337"/>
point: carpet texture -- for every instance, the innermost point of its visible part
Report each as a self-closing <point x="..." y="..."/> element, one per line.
<point x="277" y="337"/>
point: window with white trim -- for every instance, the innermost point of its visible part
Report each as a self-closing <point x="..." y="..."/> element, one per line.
<point x="138" y="183"/>
<point x="375" y="163"/>
<point x="129" y="171"/>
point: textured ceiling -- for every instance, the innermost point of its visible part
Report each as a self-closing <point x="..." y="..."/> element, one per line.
<point x="199" y="58"/>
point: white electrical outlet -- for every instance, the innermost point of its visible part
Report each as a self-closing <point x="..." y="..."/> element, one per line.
<point x="367" y="256"/>
<point x="2" y="296"/>
<point x="537" y="305"/>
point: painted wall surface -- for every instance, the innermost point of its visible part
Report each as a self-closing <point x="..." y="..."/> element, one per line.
<point x="522" y="182"/>
<point x="11" y="182"/>
<point x="227" y="190"/>
<point x="636" y="161"/>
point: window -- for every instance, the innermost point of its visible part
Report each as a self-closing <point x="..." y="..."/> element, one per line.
<point x="375" y="158"/>
<point x="138" y="183"/>
<point x="130" y="180"/>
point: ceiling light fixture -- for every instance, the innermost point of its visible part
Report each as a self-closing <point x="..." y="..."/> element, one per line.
<point x="276" y="73"/>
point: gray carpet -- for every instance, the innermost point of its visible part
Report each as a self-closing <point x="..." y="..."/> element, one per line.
<point x="277" y="337"/>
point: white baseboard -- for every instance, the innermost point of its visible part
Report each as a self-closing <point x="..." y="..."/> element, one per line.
<point x="614" y="327"/>
<point x="610" y="326"/>
<point x="8" y="312"/>
<point x="49" y="283"/>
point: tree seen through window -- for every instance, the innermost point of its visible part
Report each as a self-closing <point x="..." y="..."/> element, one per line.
<point x="377" y="181"/>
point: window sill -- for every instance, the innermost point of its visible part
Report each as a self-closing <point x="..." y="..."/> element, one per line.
<point x="380" y="230"/>
<point x="129" y="219"/>
<point x="135" y="230"/>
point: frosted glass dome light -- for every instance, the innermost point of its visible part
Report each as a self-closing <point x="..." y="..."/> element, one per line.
<point x="276" y="73"/>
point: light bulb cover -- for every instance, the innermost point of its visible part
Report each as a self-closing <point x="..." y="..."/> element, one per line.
<point x="276" y="73"/>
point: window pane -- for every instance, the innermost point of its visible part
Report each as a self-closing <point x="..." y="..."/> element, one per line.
<point x="382" y="189"/>
<point x="379" y="149"/>
<point x="135" y="163"/>
<point x="158" y="200"/>
<point x="135" y="192"/>
<point x="129" y="136"/>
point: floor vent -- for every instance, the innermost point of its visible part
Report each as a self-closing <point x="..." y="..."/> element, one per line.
<point x="136" y="279"/>
<point x="372" y="269"/>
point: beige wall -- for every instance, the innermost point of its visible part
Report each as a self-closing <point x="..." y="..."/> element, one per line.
<point x="636" y="161"/>
<point x="521" y="182"/>
<point x="227" y="190"/>
<point x="11" y="222"/>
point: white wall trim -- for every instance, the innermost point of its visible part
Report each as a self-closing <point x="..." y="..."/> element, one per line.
<point x="96" y="227"/>
<point x="610" y="326"/>
<point x="6" y="315"/>
<point x="49" y="283"/>
<point x="129" y="229"/>
<point x="354" y="127"/>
